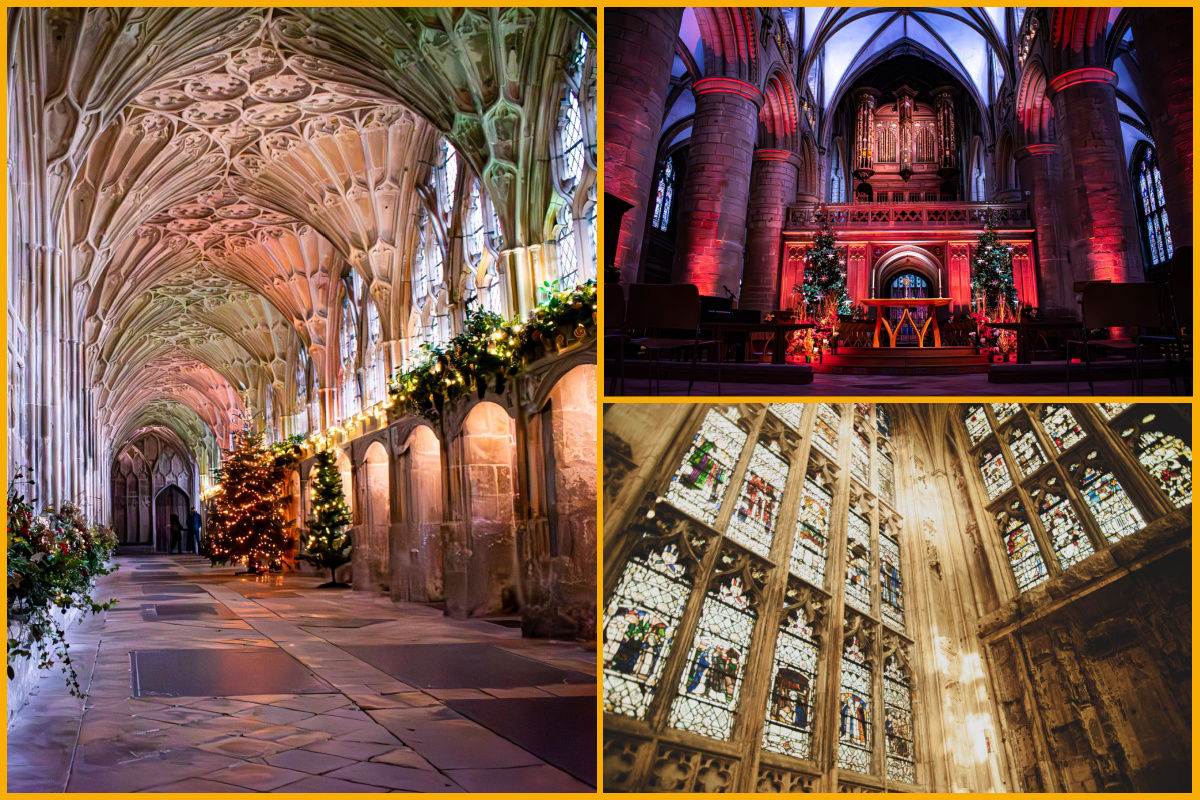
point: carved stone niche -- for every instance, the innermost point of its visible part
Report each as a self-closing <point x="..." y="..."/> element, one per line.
<point x="618" y="465"/>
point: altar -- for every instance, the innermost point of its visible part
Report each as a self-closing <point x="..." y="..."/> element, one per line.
<point x="907" y="304"/>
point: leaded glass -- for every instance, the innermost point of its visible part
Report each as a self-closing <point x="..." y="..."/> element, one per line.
<point x="1062" y="525"/>
<point x="995" y="474"/>
<point x="753" y="522"/>
<point x="825" y="430"/>
<point x="1168" y="460"/>
<point x="789" y="413"/>
<point x="1111" y="410"/>
<point x="700" y="482"/>
<point x="1061" y="427"/>
<point x="887" y="476"/>
<point x="1023" y="555"/>
<point x="1004" y="411"/>
<point x="639" y="626"/>
<point x="854" y="730"/>
<point x="860" y="456"/>
<point x="812" y="534"/>
<point x="882" y="421"/>
<point x="712" y="680"/>
<point x="897" y="723"/>
<point x="858" y="563"/>
<point x="793" y="685"/>
<point x="892" y="599"/>
<point x="977" y="424"/>
<point x="1110" y="506"/>
<point x="1027" y="452"/>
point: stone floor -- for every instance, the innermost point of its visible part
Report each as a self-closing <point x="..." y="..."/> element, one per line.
<point x="289" y="707"/>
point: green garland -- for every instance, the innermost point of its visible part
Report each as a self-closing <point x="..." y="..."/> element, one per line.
<point x="490" y="352"/>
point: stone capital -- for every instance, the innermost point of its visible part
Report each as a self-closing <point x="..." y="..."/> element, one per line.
<point x="733" y="86"/>
<point x="1081" y="75"/>
<point x="770" y="154"/>
<point x="1044" y="149"/>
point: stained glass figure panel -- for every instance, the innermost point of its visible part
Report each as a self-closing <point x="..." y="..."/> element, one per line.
<point x="812" y="534"/>
<point x="897" y="724"/>
<point x="1168" y="460"/>
<point x="1023" y="555"/>
<point x="789" y="412"/>
<point x="639" y="626"/>
<point x="1004" y="411"/>
<point x="757" y="510"/>
<point x="890" y="582"/>
<point x="1110" y="410"/>
<point x="708" y="692"/>
<point x="698" y="487"/>
<point x="1062" y="428"/>
<point x="883" y="422"/>
<point x="788" y="728"/>
<point x="1110" y="506"/>
<point x="977" y="424"/>
<point x="825" y="430"/>
<point x="887" y="477"/>
<point x="995" y="474"/>
<point x="860" y="456"/>
<point x="1027" y="452"/>
<point x="855" y="717"/>
<point x="858" y="563"/>
<point x="1062" y="525"/>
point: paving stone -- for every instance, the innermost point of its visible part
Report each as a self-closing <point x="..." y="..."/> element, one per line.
<point x="394" y="777"/>
<point x="542" y="778"/>
<point x="308" y="761"/>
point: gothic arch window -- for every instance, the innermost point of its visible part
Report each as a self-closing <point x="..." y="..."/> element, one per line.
<point x="348" y="350"/>
<point x="664" y="195"/>
<point x="572" y="225"/>
<point x="1152" y="207"/>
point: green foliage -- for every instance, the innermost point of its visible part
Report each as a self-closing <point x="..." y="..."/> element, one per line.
<point x="491" y="352"/>
<point x="825" y="274"/>
<point x="992" y="285"/>
<point x="54" y="559"/>
<point x="328" y="546"/>
<point x="245" y="522"/>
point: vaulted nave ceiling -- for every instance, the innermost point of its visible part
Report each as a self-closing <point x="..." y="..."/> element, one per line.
<point x="216" y="172"/>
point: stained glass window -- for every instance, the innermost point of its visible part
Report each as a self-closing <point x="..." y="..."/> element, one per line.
<point x="1156" y="228"/>
<point x="1004" y="411"/>
<point x="1062" y="525"/>
<point x="995" y="475"/>
<point x="882" y="421"/>
<point x="890" y="582"/>
<point x="897" y="723"/>
<point x="666" y="192"/>
<point x="1110" y="506"/>
<point x="789" y="413"/>
<point x="887" y="475"/>
<point x="860" y="456"/>
<point x="858" y="563"/>
<point x="977" y="424"/>
<point x="698" y="487"/>
<point x="793" y="687"/>
<point x="708" y="692"/>
<point x="753" y="522"/>
<point x="1027" y="452"/>
<point x="1061" y="427"/>
<point x="855" y="717"/>
<point x="640" y="623"/>
<point x="825" y="431"/>
<point x="812" y="533"/>
<point x="1111" y="410"/>
<point x="1023" y="555"/>
<point x="1167" y="458"/>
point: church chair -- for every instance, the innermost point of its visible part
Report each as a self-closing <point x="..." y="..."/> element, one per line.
<point x="1177" y="310"/>
<point x="659" y="307"/>
<point x="1132" y="306"/>
<point x="614" y="329"/>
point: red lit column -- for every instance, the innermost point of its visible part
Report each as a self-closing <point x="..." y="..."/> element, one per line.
<point x="712" y="203"/>
<point x="772" y="188"/>
<point x="639" y="50"/>
<point x="1039" y="169"/>
<point x="1103" y="243"/>
<point x="1163" y="38"/>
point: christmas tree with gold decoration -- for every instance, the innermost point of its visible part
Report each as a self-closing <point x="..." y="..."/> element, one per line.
<point x="245" y="522"/>
<point x="328" y="544"/>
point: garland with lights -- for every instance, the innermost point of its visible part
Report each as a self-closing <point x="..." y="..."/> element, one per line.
<point x="328" y="545"/>
<point x="245" y="522"/>
<point x="490" y="352"/>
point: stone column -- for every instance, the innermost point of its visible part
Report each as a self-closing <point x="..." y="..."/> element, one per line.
<point x="1104" y="237"/>
<point x="773" y="180"/>
<point x="1163" y="37"/>
<point x="713" y="200"/>
<point x="640" y="48"/>
<point x="1039" y="169"/>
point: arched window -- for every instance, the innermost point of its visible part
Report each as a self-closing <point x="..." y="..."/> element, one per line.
<point x="348" y="349"/>
<point x="1152" y="208"/>
<point x="666" y="193"/>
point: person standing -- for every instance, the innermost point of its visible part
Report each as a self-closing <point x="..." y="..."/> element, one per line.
<point x="176" y="535"/>
<point x="194" y="530"/>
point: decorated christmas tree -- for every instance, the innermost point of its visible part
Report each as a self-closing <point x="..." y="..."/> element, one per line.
<point x="824" y="286"/>
<point x="992" y="289"/>
<point x="245" y="523"/>
<point x="328" y="545"/>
